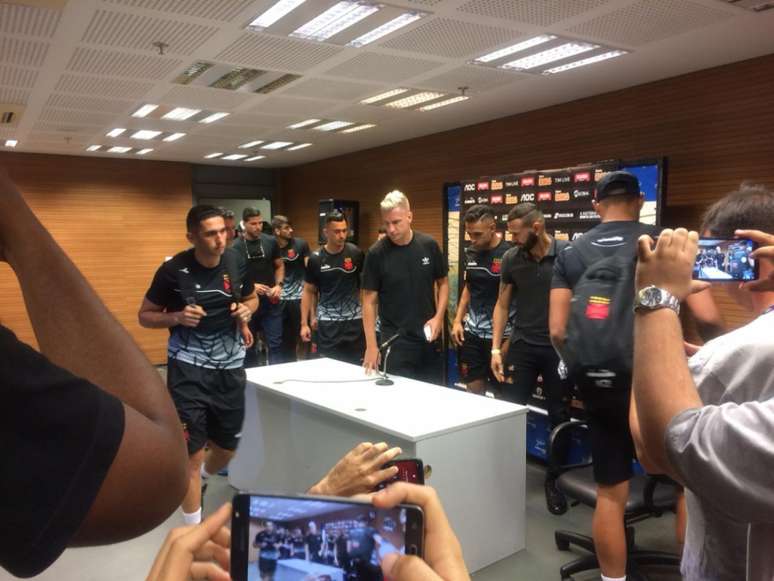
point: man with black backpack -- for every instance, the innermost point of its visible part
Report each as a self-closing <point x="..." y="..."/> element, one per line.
<point x="205" y="298"/>
<point x="591" y="323"/>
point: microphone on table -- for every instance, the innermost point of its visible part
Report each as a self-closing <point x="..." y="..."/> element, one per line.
<point x="388" y="343"/>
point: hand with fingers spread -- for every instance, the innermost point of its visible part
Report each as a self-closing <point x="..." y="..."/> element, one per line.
<point x="442" y="551"/>
<point x="765" y="251"/>
<point x="197" y="552"/>
<point x="359" y="471"/>
<point x="670" y="264"/>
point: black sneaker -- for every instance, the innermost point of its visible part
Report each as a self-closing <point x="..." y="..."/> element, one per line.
<point x="556" y="502"/>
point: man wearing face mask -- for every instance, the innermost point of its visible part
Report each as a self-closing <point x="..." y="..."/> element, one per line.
<point x="527" y="270"/>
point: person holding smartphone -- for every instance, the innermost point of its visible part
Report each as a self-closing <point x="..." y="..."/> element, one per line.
<point x="709" y="422"/>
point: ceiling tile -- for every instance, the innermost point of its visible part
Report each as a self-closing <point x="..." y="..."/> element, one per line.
<point x="451" y="38"/>
<point x="121" y="64"/>
<point x="650" y="20"/>
<point x="386" y="68"/>
<point x="14" y="96"/>
<point x="477" y="79"/>
<point x="224" y="10"/>
<point x="539" y="12"/>
<point x="206" y="98"/>
<point x="77" y="117"/>
<point x="103" y="87"/>
<point x="279" y="53"/>
<point x="18" y="77"/>
<point x="325" y="89"/>
<point x="28" y="20"/>
<point x="123" y="30"/>
<point x="257" y="120"/>
<point x="27" y="53"/>
<point x="83" y="103"/>
<point x="290" y="106"/>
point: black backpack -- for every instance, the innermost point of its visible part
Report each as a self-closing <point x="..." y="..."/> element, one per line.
<point x="599" y="346"/>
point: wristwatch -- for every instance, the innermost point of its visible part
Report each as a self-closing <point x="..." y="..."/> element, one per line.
<point x="652" y="298"/>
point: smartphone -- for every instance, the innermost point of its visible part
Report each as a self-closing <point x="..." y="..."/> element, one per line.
<point x="300" y="538"/>
<point x="409" y="470"/>
<point x="725" y="259"/>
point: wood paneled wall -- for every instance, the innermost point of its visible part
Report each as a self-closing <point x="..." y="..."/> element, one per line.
<point x="116" y="218"/>
<point x="716" y="127"/>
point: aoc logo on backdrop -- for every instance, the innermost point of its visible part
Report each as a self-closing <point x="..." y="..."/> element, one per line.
<point x="469" y="187"/>
<point x="528" y="197"/>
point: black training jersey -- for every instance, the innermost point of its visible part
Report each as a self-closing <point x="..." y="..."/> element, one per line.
<point x="362" y="542"/>
<point x="314" y="541"/>
<point x="269" y="543"/>
<point x="337" y="277"/>
<point x="293" y="256"/>
<point x="609" y="238"/>
<point x="61" y="434"/>
<point x="216" y="342"/>
<point x="260" y="255"/>
<point x="404" y="277"/>
<point x="482" y="270"/>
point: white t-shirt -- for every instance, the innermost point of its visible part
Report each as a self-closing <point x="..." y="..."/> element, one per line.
<point x="725" y="455"/>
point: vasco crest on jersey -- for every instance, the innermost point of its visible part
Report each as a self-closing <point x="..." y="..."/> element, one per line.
<point x="348" y="264"/>
<point x="291" y="253"/>
<point x="496" y="265"/>
<point x="226" y="282"/>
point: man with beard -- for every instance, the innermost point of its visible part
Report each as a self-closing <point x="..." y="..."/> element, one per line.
<point x="295" y="254"/>
<point x="527" y="270"/>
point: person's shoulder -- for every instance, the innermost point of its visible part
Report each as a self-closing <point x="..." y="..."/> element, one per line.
<point x="512" y="253"/>
<point x="425" y="239"/>
<point x="378" y="247"/>
<point x="301" y="243"/>
<point x="179" y="262"/>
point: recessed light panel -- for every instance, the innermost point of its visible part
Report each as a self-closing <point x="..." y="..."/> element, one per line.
<point x="145" y="151"/>
<point x="116" y="132"/>
<point x="214" y="117"/>
<point x="514" y="48"/>
<point x="276" y="12"/>
<point x="338" y="17"/>
<point x="255" y="157"/>
<point x="93" y="147"/>
<point x="174" y="136"/>
<point x="11" y="142"/>
<point x="117" y="149"/>
<point x="383" y="96"/>
<point x="181" y="114"/>
<point x="234" y="157"/>
<point x="414" y="100"/>
<point x="563" y="51"/>
<point x="277" y="145"/>
<point x="301" y="124"/>
<point x="145" y="134"/>
<point x="192" y="72"/>
<point x="386" y="28"/>
<point x="250" y="144"/>
<point x="587" y="61"/>
<point x="299" y="146"/>
<point x="333" y="125"/>
<point x="213" y="155"/>
<point x="444" y="103"/>
<point x="357" y="128"/>
<point x="145" y="110"/>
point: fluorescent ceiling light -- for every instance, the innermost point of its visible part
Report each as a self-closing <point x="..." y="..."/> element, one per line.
<point x="236" y="78"/>
<point x="93" y="147"/>
<point x="212" y="155"/>
<point x="255" y="157"/>
<point x="299" y="146"/>
<point x="508" y="50"/>
<point x="117" y="149"/>
<point x="145" y="134"/>
<point x="414" y="100"/>
<point x="276" y="12"/>
<point x="181" y="113"/>
<point x="214" y="117"/>
<point x="337" y="18"/>
<point x="11" y="142"/>
<point x="301" y="124"/>
<point x="358" y="128"/>
<point x="443" y="103"/>
<point x="234" y="157"/>
<point x="333" y="125"/>
<point x="145" y="110"/>
<point x="553" y="54"/>
<point x="174" y="136"/>
<point x="192" y="72"/>
<point x="116" y="132"/>
<point x="277" y="145"/>
<point x="386" y="28"/>
<point x="250" y="144"/>
<point x="144" y="151"/>
<point x="383" y="96"/>
<point x="587" y="61"/>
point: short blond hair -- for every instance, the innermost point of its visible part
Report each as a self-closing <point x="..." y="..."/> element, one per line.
<point x="395" y="199"/>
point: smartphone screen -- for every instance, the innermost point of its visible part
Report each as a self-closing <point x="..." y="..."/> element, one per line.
<point x="299" y="538"/>
<point x="409" y="470"/>
<point x="728" y="259"/>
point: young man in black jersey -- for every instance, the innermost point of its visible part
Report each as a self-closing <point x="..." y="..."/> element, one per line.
<point x="333" y="274"/>
<point x="204" y="296"/>
<point x="295" y="254"/>
<point x="268" y="542"/>
<point x="403" y="275"/>
<point x="472" y="327"/>
<point x="267" y="271"/>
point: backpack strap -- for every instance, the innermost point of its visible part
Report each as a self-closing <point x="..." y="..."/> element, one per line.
<point x="186" y="284"/>
<point x="232" y="268"/>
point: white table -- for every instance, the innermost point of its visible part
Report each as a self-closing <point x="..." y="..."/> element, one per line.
<point x="294" y="431"/>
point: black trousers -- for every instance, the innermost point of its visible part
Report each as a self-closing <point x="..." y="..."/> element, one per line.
<point x="418" y="360"/>
<point x="524" y="363"/>
<point x="291" y="327"/>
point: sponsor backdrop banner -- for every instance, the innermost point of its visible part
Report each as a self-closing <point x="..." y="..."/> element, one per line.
<point x="563" y="195"/>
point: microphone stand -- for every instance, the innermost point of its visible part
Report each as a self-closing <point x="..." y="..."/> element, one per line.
<point x="384" y="379"/>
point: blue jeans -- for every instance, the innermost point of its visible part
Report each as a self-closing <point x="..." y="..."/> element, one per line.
<point x="267" y="320"/>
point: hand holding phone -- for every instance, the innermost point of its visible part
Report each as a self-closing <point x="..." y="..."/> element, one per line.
<point x="410" y="470"/>
<point x="726" y="260"/>
<point x="332" y="539"/>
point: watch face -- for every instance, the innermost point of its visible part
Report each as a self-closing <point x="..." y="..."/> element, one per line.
<point x="651" y="296"/>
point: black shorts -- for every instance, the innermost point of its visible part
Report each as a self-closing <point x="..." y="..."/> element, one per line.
<point x="418" y="360"/>
<point x="612" y="447"/>
<point x="475" y="359"/>
<point x="342" y="340"/>
<point x="209" y="402"/>
<point x="267" y="565"/>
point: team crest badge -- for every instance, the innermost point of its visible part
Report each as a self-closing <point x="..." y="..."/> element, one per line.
<point x="291" y="253"/>
<point x="226" y="283"/>
<point x="496" y="265"/>
<point x="348" y="264"/>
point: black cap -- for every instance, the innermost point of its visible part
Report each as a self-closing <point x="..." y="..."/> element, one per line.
<point x="616" y="183"/>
